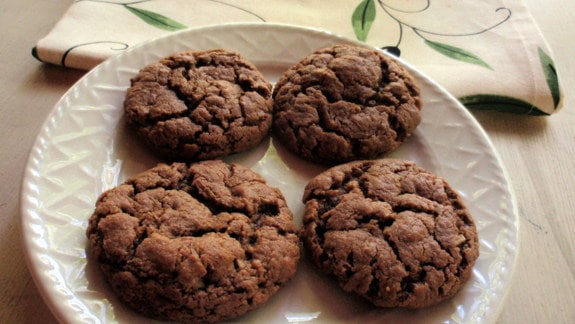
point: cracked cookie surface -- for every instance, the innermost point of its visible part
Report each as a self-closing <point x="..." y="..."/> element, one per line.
<point x="389" y="231"/>
<point x="345" y="103"/>
<point x="200" y="105"/>
<point x="194" y="243"/>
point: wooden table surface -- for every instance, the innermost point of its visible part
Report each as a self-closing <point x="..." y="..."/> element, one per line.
<point x="538" y="152"/>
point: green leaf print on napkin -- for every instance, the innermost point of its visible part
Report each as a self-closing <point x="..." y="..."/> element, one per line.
<point x="362" y="18"/>
<point x="550" y="76"/>
<point x="456" y="53"/>
<point x="155" y="19"/>
<point x="500" y="103"/>
<point x="365" y="12"/>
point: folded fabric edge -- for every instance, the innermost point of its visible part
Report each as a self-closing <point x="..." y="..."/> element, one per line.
<point x="34" y="53"/>
<point x="549" y="69"/>
<point x="76" y="61"/>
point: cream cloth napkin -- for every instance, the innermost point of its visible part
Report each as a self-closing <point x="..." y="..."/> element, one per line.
<point x="490" y="54"/>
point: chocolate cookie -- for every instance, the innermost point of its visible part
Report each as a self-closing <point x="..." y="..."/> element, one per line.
<point x="390" y="231"/>
<point x="194" y="243"/>
<point x="200" y="105"/>
<point x="345" y="103"/>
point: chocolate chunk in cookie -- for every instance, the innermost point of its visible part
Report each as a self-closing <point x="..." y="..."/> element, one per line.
<point x="345" y="103"/>
<point x="200" y="105"/>
<point x="390" y="231"/>
<point x="194" y="243"/>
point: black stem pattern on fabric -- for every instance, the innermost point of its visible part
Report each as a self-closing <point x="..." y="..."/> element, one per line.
<point x="422" y="32"/>
<point x="122" y="47"/>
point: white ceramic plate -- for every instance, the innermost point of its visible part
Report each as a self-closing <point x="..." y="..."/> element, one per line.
<point x="84" y="149"/>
